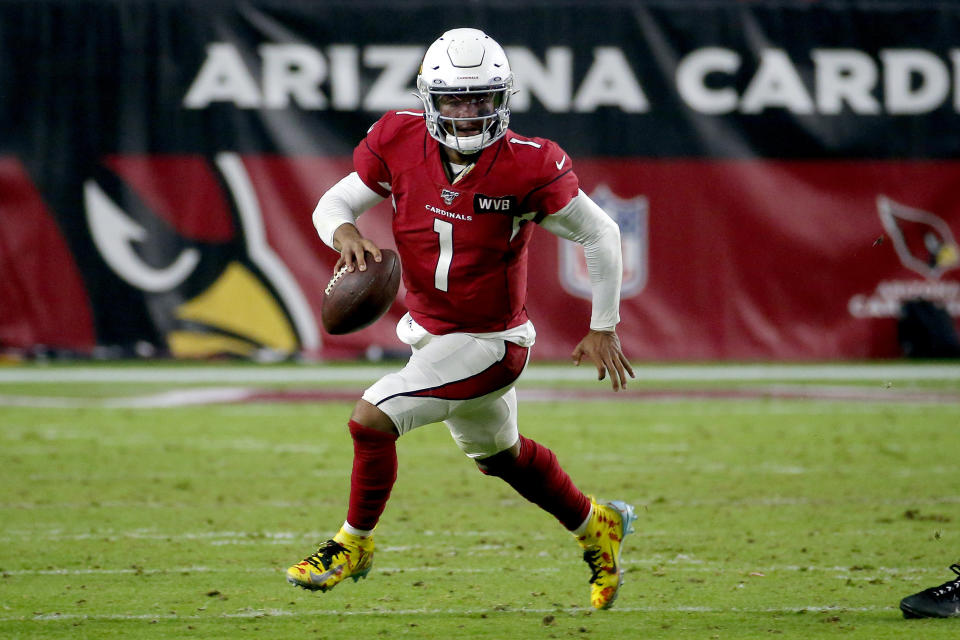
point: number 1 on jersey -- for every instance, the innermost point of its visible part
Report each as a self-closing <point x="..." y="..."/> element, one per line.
<point x="444" y="230"/>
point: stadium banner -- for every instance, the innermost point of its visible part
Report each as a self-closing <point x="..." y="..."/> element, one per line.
<point x="784" y="173"/>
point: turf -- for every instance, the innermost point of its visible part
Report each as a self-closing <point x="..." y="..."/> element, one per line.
<point x="758" y="518"/>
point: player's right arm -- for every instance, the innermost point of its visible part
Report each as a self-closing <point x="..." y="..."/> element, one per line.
<point x="584" y="222"/>
<point x="335" y="219"/>
<point x="336" y="214"/>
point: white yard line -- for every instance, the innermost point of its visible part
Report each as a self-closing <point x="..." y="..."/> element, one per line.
<point x="494" y="611"/>
<point x="320" y="373"/>
<point x="260" y="536"/>
<point x="275" y="570"/>
<point x="779" y="501"/>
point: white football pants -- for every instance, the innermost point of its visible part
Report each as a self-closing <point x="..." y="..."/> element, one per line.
<point x="463" y="381"/>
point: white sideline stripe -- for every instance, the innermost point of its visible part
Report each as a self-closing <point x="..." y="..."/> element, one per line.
<point x="175" y="398"/>
<point x="266" y="613"/>
<point x="239" y="444"/>
<point x="226" y="395"/>
<point x="320" y="373"/>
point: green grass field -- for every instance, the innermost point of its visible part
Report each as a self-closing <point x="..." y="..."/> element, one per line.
<point x="762" y="514"/>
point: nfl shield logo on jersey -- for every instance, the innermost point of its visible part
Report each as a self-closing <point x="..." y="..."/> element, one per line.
<point x="631" y="216"/>
<point x="449" y="195"/>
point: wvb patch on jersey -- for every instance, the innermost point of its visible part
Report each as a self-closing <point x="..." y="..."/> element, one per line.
<point x="631" y="216"/>
<point x="489" y="204"/>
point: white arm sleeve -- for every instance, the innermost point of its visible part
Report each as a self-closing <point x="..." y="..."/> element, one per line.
<point x="343" y="203"/>
<point x="584" y="222"/>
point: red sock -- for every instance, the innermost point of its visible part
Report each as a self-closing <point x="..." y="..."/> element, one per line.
<point x="374" y="472"/>
<point x="537" y="476"/>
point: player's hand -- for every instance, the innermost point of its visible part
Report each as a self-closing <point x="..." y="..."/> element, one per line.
<point x="603" y="349"/>
<point x="352" y="248"/>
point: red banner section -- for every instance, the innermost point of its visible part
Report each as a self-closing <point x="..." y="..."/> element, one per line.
<point x="43" y="299"/>
<point x="791" y="260"/>
<point x="723" y="259"/>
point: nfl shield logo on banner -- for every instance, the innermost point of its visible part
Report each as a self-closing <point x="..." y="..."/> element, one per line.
<point x="631" y="216"/>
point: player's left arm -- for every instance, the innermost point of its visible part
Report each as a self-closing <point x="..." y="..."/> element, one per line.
<point x="584" y="222"/>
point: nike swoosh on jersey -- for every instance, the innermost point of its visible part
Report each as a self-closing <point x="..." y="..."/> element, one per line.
<point x="560" y="164"/>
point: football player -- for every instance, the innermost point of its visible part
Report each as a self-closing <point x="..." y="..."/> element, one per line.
<point x="467" y="193"/>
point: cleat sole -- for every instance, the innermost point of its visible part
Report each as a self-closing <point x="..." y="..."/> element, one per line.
<point x="909" y="613"/>
<point x="309" y="586"/>
<point x="305" y="587"/>
<point x="915" y="614"/>
<point x="361" y="574"/>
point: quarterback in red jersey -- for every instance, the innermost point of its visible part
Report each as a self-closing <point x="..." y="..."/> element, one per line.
<point x="462" y="238"/>
<point x="467" y="194"/>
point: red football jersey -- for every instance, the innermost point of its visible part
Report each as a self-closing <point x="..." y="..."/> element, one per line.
<point x="463" y="244"/>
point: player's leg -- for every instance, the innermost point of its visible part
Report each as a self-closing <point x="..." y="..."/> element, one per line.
<point x="349" y="554"/>
<point x="420" y="393"/>
<point x="374" y="466"/>
<point x="441" y="370"/>
<point x="481" y="428"/>
<point x="529" y="467"/>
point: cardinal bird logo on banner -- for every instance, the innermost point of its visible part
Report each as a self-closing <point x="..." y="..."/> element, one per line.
<point x="631" y="216"/>
<point x="923" y="241"/>
<point x="183" y="253"/>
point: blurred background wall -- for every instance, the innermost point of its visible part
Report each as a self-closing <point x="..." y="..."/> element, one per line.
<point x="785" y="174"/>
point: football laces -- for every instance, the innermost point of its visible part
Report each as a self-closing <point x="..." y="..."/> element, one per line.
<point x="334" y="279"/>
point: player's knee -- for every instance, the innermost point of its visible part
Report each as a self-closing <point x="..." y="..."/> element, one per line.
<point x="499" y="463"/>
<point x="370" y="416"/>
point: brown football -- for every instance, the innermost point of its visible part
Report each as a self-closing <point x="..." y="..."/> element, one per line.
<point x="356" y="299"/>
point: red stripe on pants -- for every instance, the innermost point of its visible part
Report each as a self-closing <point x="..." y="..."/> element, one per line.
<point x="501" y="373"/>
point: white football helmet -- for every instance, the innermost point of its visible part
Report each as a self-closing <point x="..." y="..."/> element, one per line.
<point x="470" y="64"/>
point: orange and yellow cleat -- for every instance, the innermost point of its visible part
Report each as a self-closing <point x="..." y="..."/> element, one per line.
<point x="602" y="543"/>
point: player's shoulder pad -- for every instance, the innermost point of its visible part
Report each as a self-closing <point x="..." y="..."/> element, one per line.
<point x="394" y="123"/>
<point x="540" y="152"/>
